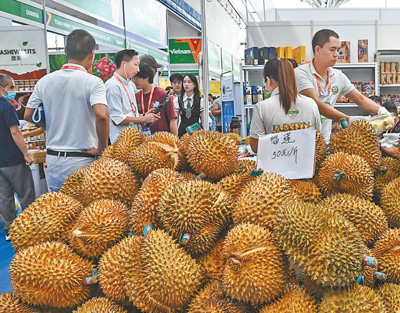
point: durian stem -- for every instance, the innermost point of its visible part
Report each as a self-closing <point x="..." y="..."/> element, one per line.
<point x="337" y="176"/>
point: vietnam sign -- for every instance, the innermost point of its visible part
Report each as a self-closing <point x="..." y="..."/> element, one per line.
<point x="184" y="51"/>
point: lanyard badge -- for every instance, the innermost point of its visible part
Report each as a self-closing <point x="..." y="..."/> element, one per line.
<point x="133" y="108"/>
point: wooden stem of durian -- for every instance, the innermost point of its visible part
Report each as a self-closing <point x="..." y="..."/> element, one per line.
<point x="236" y="256"/>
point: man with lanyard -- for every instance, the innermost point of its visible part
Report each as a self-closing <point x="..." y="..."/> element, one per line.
<point x="75" y="111"/>
<point x="150" y="97"/>
<point x="319" y="81"/>
<point x="121" y="98"/>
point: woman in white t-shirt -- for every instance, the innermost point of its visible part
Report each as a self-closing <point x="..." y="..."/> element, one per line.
<point x="285" y="106"/>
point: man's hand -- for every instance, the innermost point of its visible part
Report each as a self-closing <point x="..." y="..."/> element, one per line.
<point x="383" y="111"/>
<point x="28" y="160"/>
<point x="151" y="117"/>
<point x="95" y="151"/>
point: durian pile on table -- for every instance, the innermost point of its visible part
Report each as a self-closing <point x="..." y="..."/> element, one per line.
<point x="162" y="224"/>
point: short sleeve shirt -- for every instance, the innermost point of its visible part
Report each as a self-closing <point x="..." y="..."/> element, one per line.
<point x="268" y="114"/>
<point x="167" y="113"/>
<point x="121" y="104"/>
<point x="68" y="96"/>
<point x="10" y="154"/>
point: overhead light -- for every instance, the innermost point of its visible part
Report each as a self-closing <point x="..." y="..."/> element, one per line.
<point x="325" y="3"/>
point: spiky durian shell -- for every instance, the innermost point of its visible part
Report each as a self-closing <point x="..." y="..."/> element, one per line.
<point x="260" y="199"/>
<point x="313" y="288"/>
<point x="358" y="139"/>
<point x="235" y="137"/>
<point x="212" y="300"/>
<point x="247" y="140"/>
<point x="386" y="249"/>
<point x="390" y="202"/>
<point x="50" y="217"/>
<point x="245" y="167"/>
<point x="9" y="303"/>
<point x="129" y="139"/>
<point x="188" y="176"/>
<point x="383" y="178"/>
<point x="159" y="275"/>
<point x="355" y="299"/>
<point x="305" y="191"/>
<point x="320" y="144"/>
<point x="50" y="274"/>
<point x="390" y="295"/>
<point x="72" y="185"/>
<point x="198" y="208"/>
<point x="100" y="305"/>
<point x="366" y="216"/>
<point x="110" y="179"/>
<point x="357" y="178"/>
<point x="212" y="154"/>
<point x="98" y="227"/>
<point x="325" y="245"/>
<point x="108" y="152"/>
<point x="212" y="263"/>
<point x="254" y="269"/>
<point x="149" y="157"/>
<point x="233" y="184"/>
<point x="184" y="166"/>
<point x="144" y="207"/>
<point x="296" y="300"/>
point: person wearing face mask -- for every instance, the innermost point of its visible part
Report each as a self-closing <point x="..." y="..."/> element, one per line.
<point x="15" y="174"/>
<point x="121" y="98"/>
<point x="75" y="108"/>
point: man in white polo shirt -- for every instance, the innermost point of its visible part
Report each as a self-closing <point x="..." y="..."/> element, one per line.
<point x="75" y="111"/>
<point x="121" y="97"/>
<point x="319" y="81"/>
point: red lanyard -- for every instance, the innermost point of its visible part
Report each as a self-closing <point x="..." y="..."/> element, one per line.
<point x="127" y="93"/>
<point x="318" y="83"/>
<point x="149" y="102"/>
<point x="72" y="67"/>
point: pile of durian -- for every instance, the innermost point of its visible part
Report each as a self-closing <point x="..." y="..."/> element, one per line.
<point x="162" y="224"/>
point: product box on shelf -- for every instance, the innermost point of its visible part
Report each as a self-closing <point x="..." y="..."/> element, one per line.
<point x="271" y="53"/>
<point x="257" y="92"/>
<point x="358" y="85"/>
<point x="280" y="52"/>
<point x="344" y="52"/>
<point x="251" y="56"/>
<point x="363" y="51"/>
<point x="263" y="55"/>
<point x="288" y="53"/>
<point x="247" y="97"/>
<point x="299" y="54"/>
<point x="368" y="88"/>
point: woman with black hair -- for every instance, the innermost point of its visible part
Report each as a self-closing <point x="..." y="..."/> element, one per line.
<point x="285" y="106"/>
<point x="191" y="105"/>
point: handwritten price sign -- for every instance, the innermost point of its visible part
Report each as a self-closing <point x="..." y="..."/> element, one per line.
<point x="291" y="154"/>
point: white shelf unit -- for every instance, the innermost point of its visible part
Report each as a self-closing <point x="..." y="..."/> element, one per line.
<point x="386" y="56"/>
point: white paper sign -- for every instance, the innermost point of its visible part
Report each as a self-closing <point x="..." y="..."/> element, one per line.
<point x="291" y="154"/>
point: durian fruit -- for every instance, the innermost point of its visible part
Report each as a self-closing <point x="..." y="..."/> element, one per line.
<point x="296" y="300"/>
<point x="50" y="274"/>
<point x="195" y="209"/>
<point x="313" y="288"/>
<point x="390" y="295"/>
<point x="355" y="299"/>
<point x="159" y="276"/>
<point x="235" y="137"/>
<point x="188" y="176"/>
<point x="213" y="262"/>
<point x="108" y="152"/>
<point x="110" y="179"/>
<point x="247" y="140"/>
<point x="245" y="167"/>
<point x="72" y="185"/>
<point x="9" y="303"/>
<point x="184" y="166"/>
<point x="358" y="139"/>
<point x="383" y="178"/>
<point x="100" y="305"/>
<point x="129" y="139"/>
<point x="325" y="245"/>
<point x="50" y="217"/>
<point x="260" y="199"/>
<point x="305" y="191"/>
<point x="320" y="144"/>
<point x="111" y="271"/>
<point x="390" y="202"/>
<point x="233" y="184"/>
<point x="144" y="207"/>
<point x="98" y="227"/>
<point x="345" y="173"/>
<point x="212" y="300"/>
<point x="387" y="251"/>
<point x="212" y="154"/>
<point x="254" y="269"/>
<point x="366" y="216"/>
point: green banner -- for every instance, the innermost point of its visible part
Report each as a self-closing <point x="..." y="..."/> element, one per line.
<point x="236" y="69"/>
<point x="226" y="61"/>
<point x="183" y="72"/>
<point x="22" y="10"/>
<point x="147" y="19"/>
<point x="110" y="10"/>
<point x="62" y="23"/>
<point x="184" y="50"/>
<point x="214" y="57"/>
<point x="157" y="54"/>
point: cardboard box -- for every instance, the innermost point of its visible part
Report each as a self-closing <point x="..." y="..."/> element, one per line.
<point x="288" y="53"/>
<point x="280" y="52"/>
<point x="251" y="56"/>
<point x="257" y="93"/>
<point x="344" y="52"/>
<point x="299" y="54"/>
<point x="363" y="51"/>
<point x="37" y="156"/>
<point x="247" y="97"/>
<point x="263" y="55"/>
<point x="271" y="53"/>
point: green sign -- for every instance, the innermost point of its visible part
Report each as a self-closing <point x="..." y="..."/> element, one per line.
<point x="236" y="69"/>
<point x="183" y="72"/>
<point x="214" y="58"/>
<point x="110" y="10"/>
<point x="22" y="10"/>
<point x="226" y="61"/>
<point x="184" y="51"/>
<point x="147" y="19"/>
<point x="62" y="23"/>
<point x="157" y="54"/>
